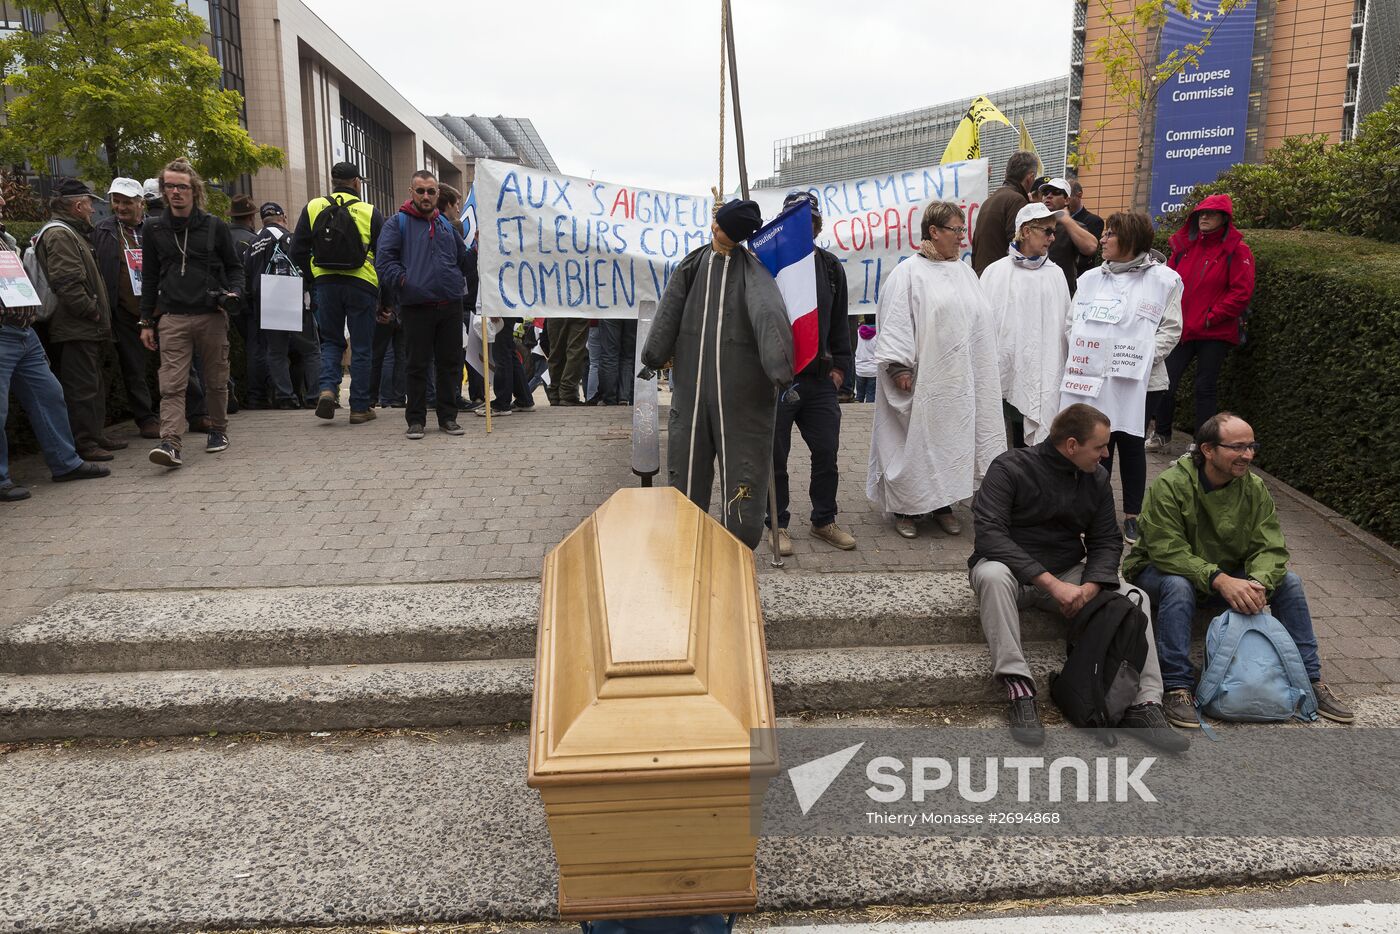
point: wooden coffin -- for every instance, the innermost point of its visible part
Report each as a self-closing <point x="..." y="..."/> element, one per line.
<point x="651" y="673"/>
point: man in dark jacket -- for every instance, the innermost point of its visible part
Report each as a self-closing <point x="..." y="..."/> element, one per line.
<point x="423" y="264"/>
<point x="268" y="255"/>
<point x="1047" y="536"/>
<point x="1088" y="220"/>
<point x="996" y="219"/>
<point x="191" y="278"/>
<point x="242" y="213"/>
<point x="811" y="403"/>
<point x="82" y="324"/>
<point x="1073" y="241"/>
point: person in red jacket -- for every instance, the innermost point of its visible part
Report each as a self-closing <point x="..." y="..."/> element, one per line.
<point x="1217" y="270"/>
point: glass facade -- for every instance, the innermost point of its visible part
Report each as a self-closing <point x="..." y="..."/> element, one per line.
<point x="370" y="146"/>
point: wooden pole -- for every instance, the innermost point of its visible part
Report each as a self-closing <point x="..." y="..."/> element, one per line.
<point x="776" y="559"/>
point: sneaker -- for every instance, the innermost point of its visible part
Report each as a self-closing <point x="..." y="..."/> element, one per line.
<point x="218" y="441"/>
<point x="1329" y="705"/>
<point x="904" y="525"/>
<point x="415" y="432"/>
<point x="359" y="418"/>
<point x="9" y="493"/>
<point x="1149" y="724"/>
<point x="166" y="455"/>
<point x="948" y="523"/>
<point x="784" y="542"/>
<point x="495" y="412"/>
<point x="1156" y="444"/>
<point x="97" y="454"/>
<point x="1130" y="530"/>
<point x="451" y="428"/>
<point x="1024" y="719"/>
<point x="326" y="404"/>
<point x="83" y="471"/>
<point x="523" y="408"/>
<point x="1179" y="709"/>
<point x="834" y="536"/>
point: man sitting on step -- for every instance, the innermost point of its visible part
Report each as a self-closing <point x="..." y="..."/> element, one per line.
<point x="1211" y="536"/>
<point x="1046" y="535"/>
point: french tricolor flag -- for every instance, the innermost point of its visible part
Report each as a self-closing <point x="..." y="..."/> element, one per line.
<point x="785" y="247"/>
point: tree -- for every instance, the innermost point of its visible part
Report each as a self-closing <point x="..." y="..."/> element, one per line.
<point x="1136" y="70"/>
<point x="123" y="87"/>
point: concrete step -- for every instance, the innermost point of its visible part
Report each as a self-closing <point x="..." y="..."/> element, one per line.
<point x="273" y="627"/>
<point x="481" y="692"/>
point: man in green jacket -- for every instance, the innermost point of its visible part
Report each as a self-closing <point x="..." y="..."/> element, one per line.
<point x="1210" y="534"/>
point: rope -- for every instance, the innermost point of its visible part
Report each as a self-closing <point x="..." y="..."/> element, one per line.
<point x="723" y="29"/>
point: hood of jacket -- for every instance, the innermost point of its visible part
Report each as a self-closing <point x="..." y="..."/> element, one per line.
<point x="1190" y="233"/>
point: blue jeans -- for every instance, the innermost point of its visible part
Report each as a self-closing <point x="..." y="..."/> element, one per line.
<point x="340" y="305"/>
<point x="22" y="359"/>
<point x="865" y="389"/>
<point x="1175" y="600"/>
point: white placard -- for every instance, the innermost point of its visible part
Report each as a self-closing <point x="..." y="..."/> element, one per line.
<point x="281" y="302"/>
<point x="16" y="291"/>
<point x="1131" y="359"/>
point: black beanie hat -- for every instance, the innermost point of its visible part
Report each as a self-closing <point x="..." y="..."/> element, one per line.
<point x="739" y="220"/>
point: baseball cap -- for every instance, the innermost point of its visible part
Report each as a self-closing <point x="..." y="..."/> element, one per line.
<point x="270" y="209"/>
<point x="796" y="197"/>
<point x="150" y="189"/>
<point x="345" y="171"/>
<point x="1032" y="212"/>
<point x="129" y="187"/>
<point x="1057" y="183"/>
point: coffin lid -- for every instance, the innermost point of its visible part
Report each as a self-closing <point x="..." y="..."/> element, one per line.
<point x="650" y="661"/>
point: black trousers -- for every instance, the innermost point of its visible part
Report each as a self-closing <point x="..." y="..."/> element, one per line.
<point x="817" y="415"/>
<point x="433" y="336"/>
<point x="133" y="359"/>
<point x="1210" y="357"/>
<point x="1132" y="460"/>
<point x="507" y="372"/>
<point x="617" y="366"/>
<point x="386" y="336"/>
<point x="80" y="373"/>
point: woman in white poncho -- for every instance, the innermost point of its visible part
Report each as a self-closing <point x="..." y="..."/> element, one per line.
<point x="1029" y="298"/>
<point x="938" y="394"/>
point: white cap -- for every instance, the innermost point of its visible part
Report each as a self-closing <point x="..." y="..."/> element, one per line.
<point x="125" y="186"/>
<point x="1059" y="183"/>
<point x="151" y="187"/>
<point x="1032" y="212"/>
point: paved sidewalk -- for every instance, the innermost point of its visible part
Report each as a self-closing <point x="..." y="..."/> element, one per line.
<point x="297" y="500"/>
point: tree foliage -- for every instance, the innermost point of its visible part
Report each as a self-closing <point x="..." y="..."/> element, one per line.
<point x="1136" y="69"/>
<point x="1350" y="188"/>
<point x="123" y="87"/>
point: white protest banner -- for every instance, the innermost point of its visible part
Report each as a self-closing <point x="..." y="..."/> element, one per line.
<point x="561" y="246"/>
<point x="280" y="298"/>
<point x="16" y="291"/>
<point x="871" y="224"/>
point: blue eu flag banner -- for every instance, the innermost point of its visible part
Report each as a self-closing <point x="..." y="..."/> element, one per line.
<point x="469" y="217"/>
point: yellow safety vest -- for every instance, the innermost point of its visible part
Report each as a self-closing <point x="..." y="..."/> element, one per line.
<point x="363" y="212"/>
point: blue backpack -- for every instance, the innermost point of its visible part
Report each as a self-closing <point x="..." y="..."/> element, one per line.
<point x="1253" y="672"/>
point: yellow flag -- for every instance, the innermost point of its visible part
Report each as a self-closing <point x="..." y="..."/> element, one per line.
<point x="1028" y="145"/>
<point x="965" y="143"/>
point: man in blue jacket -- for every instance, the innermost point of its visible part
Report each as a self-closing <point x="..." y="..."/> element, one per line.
<point x="422" y="263"/>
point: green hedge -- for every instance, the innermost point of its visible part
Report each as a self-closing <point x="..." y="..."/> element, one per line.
<point x="1319" y="374"/>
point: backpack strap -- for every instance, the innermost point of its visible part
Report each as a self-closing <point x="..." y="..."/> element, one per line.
<point x="1213" y="678"/>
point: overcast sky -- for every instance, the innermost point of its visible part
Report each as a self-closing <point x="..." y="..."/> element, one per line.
<point x="628" y="90"/>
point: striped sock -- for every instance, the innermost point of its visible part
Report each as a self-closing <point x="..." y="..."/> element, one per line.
<point x="1016" y="686"/>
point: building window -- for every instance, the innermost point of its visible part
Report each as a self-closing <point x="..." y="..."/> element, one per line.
<point x="370" y="146"/>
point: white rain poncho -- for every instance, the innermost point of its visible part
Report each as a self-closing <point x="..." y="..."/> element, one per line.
<point x="1030" y="306"/>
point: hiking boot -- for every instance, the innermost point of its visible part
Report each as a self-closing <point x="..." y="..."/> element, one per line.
<point x="166" y="455"/>
<point x="217" y="441"/>
<point x="1130" y="530"/>
<point x="83" y="472"/>
<point x="150" y="429"/>
<point x="1026" y="728"/>
<point x="784" y="542"/>
<point x="904" y="525"/>
<point x="326" y="404"/>
<point x="1149" y="724"/>
<point x="415" y="432"/>
<point x="948" y="523"/>
<point x="9" y="493"/>
<point x="1156" y="444"/>
<point x="359" y="418"/>
<point x="1329" y="705"/>
<point x="1179" y="708"/>
<point x="451" y="428"/>
<point x="834" y="536"/>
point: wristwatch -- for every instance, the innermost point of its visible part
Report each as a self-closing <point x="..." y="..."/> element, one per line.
<point x="146" y="324"/>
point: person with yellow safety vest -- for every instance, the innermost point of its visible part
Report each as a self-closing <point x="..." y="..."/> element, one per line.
<point x="334" y="243"/>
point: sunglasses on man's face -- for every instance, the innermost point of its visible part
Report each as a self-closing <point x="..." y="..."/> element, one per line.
<point x="425" y="191"/>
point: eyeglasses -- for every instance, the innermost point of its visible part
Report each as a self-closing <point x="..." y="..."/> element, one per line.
<point x="425" y="191"/>
<point x="957" y="230"/>
<point x="1241" y="447"/>
<point x="176" y="186"/>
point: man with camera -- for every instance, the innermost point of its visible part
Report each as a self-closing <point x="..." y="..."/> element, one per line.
<point x="192" y="281"/>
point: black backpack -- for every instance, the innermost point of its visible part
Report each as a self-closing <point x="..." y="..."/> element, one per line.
<point x="1105" y="648"/>
<point x="336" y="241"/>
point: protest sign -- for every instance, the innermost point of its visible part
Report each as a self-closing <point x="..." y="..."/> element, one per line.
<point x="561" y="246"/>
<point x="16" y="291"/>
